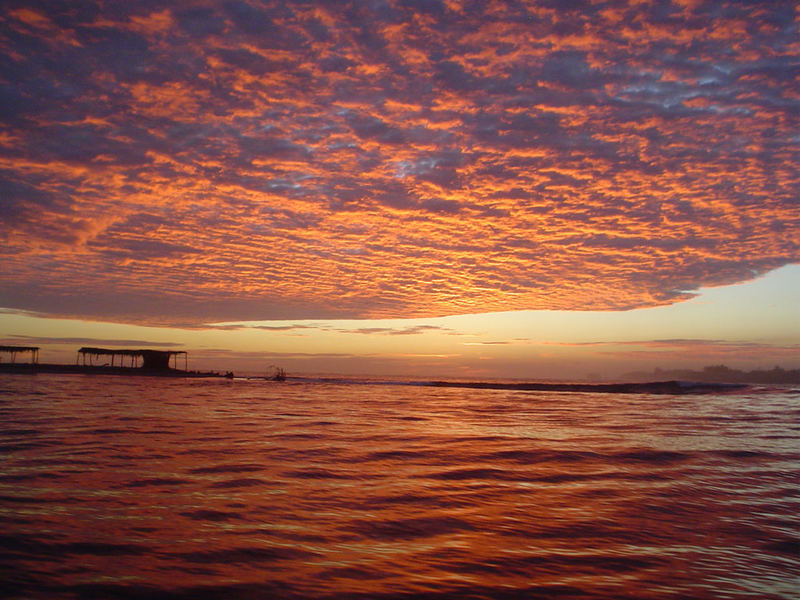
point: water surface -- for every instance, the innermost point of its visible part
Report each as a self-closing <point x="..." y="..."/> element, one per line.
<point x="116" y="487"/>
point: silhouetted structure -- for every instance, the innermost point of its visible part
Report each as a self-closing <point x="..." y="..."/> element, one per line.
<point x="725" y="374"/>
<point x="275" y="373"/>
<point x="14" y="350"/>
<point x="152" y="360"/>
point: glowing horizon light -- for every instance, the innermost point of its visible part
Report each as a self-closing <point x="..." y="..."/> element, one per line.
<point x="719" y="325"/>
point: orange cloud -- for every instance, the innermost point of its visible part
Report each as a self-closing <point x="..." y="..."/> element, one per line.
<point x="252" y="160"/>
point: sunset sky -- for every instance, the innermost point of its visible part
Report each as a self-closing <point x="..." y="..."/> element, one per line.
<point x="547" y="189"/>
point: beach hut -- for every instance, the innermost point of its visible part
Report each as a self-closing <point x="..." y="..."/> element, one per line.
<point x="150" y="360"/>
<point x="14" y="350"/>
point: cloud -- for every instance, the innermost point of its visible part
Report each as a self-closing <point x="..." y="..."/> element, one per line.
<point x="413" y="330"/>
<point x="94" y="342"/>
<point x="226" y="161"/>
<point x="279" y="327"/>
<point x="682" y="349"/>
<point x="293" y="328"/>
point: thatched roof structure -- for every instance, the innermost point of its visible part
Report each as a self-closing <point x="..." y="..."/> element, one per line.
<point x="14" y="350"/>
<point x="157" y="360"/>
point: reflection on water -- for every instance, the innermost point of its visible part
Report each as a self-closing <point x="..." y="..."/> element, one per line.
<point x="127" y="487"/>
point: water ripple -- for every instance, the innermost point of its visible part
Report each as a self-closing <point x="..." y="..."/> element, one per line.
<point x="114" y="488"/>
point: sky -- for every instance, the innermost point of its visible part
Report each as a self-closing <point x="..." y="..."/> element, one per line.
<point x="501" y="188"/>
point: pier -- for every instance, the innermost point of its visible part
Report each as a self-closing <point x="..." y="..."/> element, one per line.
<point x="105" y="361"/>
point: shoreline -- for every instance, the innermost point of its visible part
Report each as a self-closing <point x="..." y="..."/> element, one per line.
<point x="648" y="387"/>
<point x="675" y="387"/>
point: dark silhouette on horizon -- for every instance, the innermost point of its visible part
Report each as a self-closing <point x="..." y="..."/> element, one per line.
<point x="152" y="360"/>
<point x="724" y="374"/>
<point x="14" y="350"/>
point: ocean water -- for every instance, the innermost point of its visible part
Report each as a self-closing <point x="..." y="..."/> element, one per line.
<point x="117" y="487"/>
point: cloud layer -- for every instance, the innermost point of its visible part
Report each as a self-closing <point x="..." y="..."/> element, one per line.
<point x="230" y="160"/>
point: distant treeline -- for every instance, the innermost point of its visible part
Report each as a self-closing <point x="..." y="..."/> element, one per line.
<point x="724" y="374"/>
